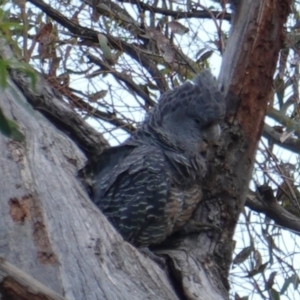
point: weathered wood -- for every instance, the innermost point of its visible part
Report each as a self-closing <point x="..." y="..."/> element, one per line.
<point x="246" y="76"/>
<point x="49" y="227"/>
<point x="15" y="284"/>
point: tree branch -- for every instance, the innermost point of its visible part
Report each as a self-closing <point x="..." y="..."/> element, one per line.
<point x="129" y="83"/>
<point x="51" y="105"/>
<point x="77" y="102"/>
<point x="283" y="119"/>
<point x="91" y="36"/>
<point x="49" y="226"/>
<point x="273" y="136"/>
<point x="180" y="14"/>
<point x="16" y="284"/>
<point x="272" y="209"/>
<point x="114" y="12"/>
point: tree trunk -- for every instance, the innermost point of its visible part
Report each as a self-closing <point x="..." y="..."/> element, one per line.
<point x="49" y="227"/>
<point x="52" y="231"/>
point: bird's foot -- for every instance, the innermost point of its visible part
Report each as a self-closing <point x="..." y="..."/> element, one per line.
<point x="158" y="259"/>
<point x="196" y="227"/>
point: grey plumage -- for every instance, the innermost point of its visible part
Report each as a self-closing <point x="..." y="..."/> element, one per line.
<point x="150" y="186"/>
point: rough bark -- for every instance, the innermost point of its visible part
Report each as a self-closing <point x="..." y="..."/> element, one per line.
<point x="17" y="285"/>
<point x="246" y="76"/>
<point x="52" y="231"/>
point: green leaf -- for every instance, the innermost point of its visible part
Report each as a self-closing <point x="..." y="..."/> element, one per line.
<point x="11" y="25"/>
<point x="32" y="75"/>
<point x="106" y="50"/>
<point x="16" y="134"/>
<point x="4" y="125"/>
<point x="3" y="73"/>
<point x="275" y="294"/>
<point x="291" y="280"/>
<point x="296" y="281"/>
<point x="21" y="66"/>
<point x="10" y="129"/>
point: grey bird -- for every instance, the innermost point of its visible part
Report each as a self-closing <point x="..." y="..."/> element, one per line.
<point x="149" y="187"/>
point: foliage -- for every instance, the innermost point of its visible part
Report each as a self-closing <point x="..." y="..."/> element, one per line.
<point x="9" y="128"/>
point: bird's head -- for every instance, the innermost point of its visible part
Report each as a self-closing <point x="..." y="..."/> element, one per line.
<point x="188" y="117"/>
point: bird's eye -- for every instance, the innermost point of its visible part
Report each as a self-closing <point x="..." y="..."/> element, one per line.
<point x="197" y="121"/>
<point x="208" y="125"/>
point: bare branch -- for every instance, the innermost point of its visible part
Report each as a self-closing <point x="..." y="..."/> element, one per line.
<point x="91" y="36"/>
<point x="130" y="84"/>
<point x="50" y="103"/>
<point x="272" y="209"/>
<point x="283" y="119"/>
<point x="273" y="136"/>
<point x="16" y="284"/>
<point x="180" y="14"/>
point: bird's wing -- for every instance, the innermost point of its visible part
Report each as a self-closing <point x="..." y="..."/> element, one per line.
<point x="133" y="193"/>
<point x="101" y="165"/>
<point x="109" y="159"/>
